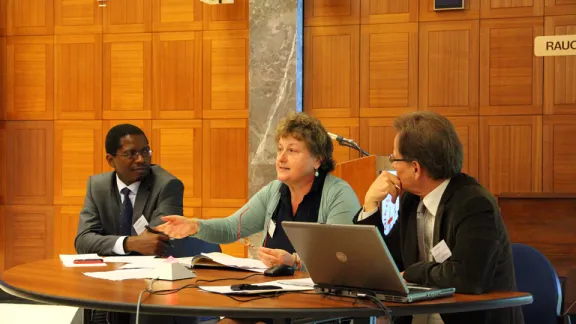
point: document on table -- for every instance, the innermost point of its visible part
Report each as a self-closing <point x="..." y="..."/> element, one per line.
<point x="117" y="275"/>
<point x="129" y="258"/>
<point x="234" y="262"/>
<point x="153" y="263"/>
<point x="228" y="289"/>
<point x="68" y="260"/>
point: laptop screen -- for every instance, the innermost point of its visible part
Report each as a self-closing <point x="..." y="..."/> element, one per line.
<point x="389" y="210"/>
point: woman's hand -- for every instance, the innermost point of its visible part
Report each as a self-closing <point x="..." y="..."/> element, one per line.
<point x="273" y="257"/>
<point x="178" y="226"/>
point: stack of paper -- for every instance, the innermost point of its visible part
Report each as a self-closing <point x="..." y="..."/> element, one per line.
<point x="240" y="263"/>
<point x="120" y="274"/>
<point x="280" y="283"/>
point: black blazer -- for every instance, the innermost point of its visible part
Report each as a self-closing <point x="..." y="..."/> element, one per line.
<point x="469" y="221"/>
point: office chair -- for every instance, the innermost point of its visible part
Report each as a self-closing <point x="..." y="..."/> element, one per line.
<point x="536" y="275"/>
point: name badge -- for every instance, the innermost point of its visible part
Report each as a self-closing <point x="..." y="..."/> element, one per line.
<point x="140" y="225"/>
<point x="441" y="252"/>
<point x="271" y="228"/>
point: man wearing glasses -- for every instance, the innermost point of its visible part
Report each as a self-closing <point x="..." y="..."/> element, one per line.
<point x="449" y="231"/>
<point x="119" y="204"/>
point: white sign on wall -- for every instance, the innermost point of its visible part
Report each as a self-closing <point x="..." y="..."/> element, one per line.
<point x="555" y="45"/>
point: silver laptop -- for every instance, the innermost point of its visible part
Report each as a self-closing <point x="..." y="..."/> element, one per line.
<point x="353" y="259"/>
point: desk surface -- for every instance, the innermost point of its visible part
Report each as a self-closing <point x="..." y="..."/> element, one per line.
<point x="50" y="282"/>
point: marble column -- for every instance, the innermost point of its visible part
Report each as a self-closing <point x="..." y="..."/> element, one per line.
<point x="274" y="84"/>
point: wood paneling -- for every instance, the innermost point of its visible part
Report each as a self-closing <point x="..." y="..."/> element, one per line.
<point x="144" y="125"/>
<point x="347" y="128"/>
<point x="77" y="155"/>
<point x="560" y="7"/>
<point x="78" y="77"/>
<point x="3" y="17"/>
<point x="127" y="76"/>
<point x="3" y="154"/>
<point x="30" y="78"/>
<point x="229" y="16"/>
<point x="77" y="17"/>
<point x="2" y="237"/>
<point x="471" y="11"/>
<point x="560" y="71"/>
<point x="225" y="74"/>
<point x="30" y="17"/>
<point x="176" y="15"/>
<point x="511" y="8"/>
<point x="30" y="162"/>
<point x="177" y="85"/>
<point x="236" y="249"/>
<point x="66" y="220"/>
<point x="377" y="135"/>
<point x="178" y="149"/>
<point x="558" y="154"/>
<point x="544" y="221"/>
<point x="449" y="67"/>
<point x="511" y="82"/>
<point x="128" y="16"/>
<point x="331" y="82"/>
<point x="511" y="153"/>
<point x="225" y="163"/>
<point x="331" y="12"/>
<point x="30" y="237"/>
<point x="3" y="68"/>
<point x="388" y="11"/>
<point x="388" y="69"/>
<point x="467" y="129"/>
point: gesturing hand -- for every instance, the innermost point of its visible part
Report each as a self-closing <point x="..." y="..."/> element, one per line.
<point x="273" y="257"/>
<point x="178" y="226"/>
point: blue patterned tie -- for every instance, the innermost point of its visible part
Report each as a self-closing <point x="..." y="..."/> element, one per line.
<point x="126" y="222"/>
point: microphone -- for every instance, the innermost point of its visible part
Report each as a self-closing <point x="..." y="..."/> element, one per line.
<point x="348" y="143"/>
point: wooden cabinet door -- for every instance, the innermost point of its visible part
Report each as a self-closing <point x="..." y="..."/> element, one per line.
<point x="128" y="16"/>
<point x="77" y="17"/>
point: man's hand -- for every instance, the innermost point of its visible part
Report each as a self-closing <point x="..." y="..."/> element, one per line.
<point x="147" y="243"/>
<point x="386" y="184"/>
<point x="178" y="226"/>
<point x="273" y="257"/>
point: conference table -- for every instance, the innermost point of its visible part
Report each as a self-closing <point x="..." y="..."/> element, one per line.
<point x="48" y="281"/>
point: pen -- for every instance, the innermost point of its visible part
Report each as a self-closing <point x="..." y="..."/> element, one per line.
<point x="88" y="261"/>
<point x="153" y="231"/>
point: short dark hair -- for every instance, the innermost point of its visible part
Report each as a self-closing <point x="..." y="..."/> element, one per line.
<point x="308" y="129"/>
<point x="430" y="139"/>
<point x="116" y="133"/>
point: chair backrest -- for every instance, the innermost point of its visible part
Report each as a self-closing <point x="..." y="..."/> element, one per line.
<point x="190" y="246"/>
<point x="536" y="275"/>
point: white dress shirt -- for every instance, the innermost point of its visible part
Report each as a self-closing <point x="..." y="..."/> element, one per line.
<point x="119" y="245"/>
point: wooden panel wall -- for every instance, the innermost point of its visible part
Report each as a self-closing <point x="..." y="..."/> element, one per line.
<point x="70" y="70"/>
<point x="514" y="112"/>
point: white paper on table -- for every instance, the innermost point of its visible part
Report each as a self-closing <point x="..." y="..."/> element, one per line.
<point x="305" y="282"/>
<point x="228" y="289"/>
<point x="116" y="275"/>
<point x="153" y="263"/>
<point x="242" y="263"/>
<point x="68" y="260"/>
<point x="129" y="258"/>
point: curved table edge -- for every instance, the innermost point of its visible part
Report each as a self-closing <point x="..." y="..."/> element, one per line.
<point x="194" y="311"/>
<point x="368" y="311"/>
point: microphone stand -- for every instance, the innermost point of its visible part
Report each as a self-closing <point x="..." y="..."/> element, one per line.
<point x="351" y="144"/>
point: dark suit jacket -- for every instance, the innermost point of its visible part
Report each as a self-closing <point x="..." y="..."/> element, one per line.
<point x="468" y="220"/>
<point x="159" y="194"/>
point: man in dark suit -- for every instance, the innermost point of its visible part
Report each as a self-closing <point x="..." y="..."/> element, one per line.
<point x="449" y="231"/>
<point x="116" y="200"/>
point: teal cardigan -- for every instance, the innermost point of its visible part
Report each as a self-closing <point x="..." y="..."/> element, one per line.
<point x="338" y="205"/>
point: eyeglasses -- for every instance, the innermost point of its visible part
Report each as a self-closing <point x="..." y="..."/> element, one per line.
<point x="133" y="154"/>
<point x="392" y="159"/>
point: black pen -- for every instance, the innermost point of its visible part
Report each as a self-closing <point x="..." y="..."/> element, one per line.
<point x="153" y="231"/>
